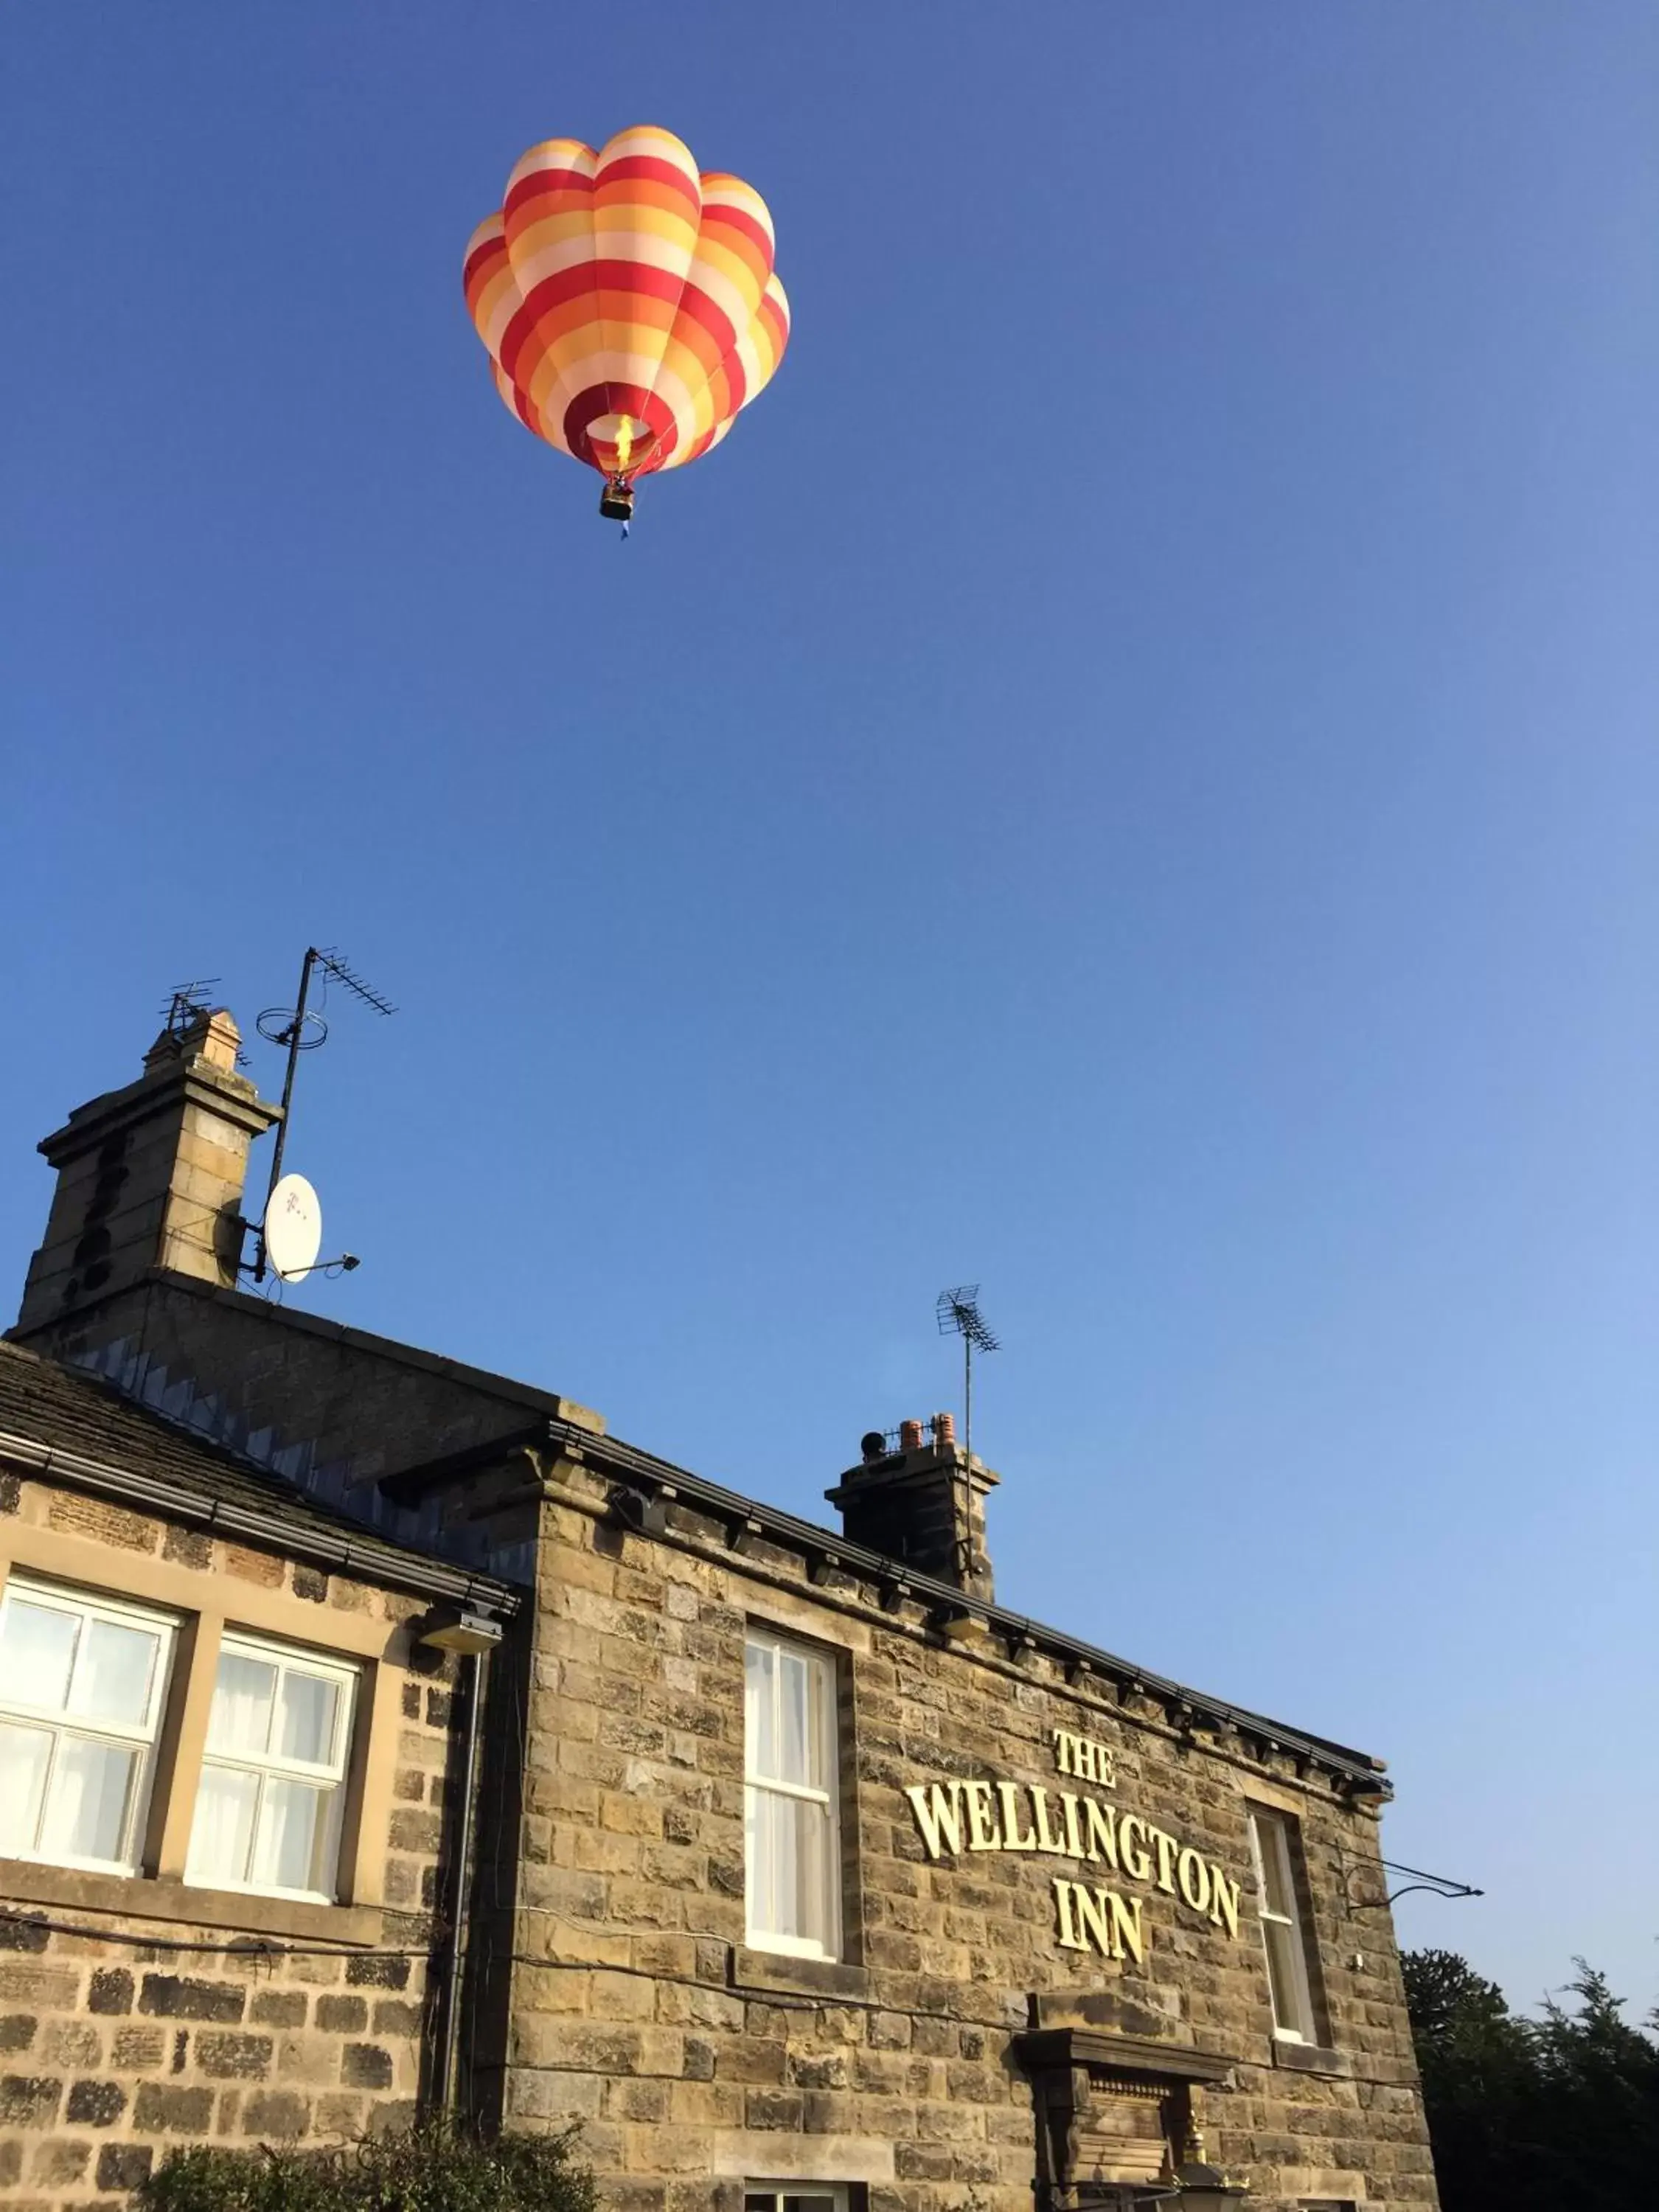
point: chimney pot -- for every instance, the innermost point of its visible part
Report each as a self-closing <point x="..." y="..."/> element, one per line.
<point x="910" y="1436"/>
<point x="944" y="1432"/>
<point x="873" y="1446"/>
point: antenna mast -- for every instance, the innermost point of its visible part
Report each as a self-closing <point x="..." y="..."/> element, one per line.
<point x="959" y="1315"/>
<point x="301" y="1030"/>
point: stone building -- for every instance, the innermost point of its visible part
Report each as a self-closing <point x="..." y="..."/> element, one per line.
<point x="803" y="1874"/>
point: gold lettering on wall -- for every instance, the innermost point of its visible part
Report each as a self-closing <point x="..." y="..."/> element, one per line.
<point x="982" y="1832"/>
<point x="1090" y="1919"/>
<point x="938" y="1808"/>
<point x="1082" y="1757"/>
<point x="981" y="1814"/>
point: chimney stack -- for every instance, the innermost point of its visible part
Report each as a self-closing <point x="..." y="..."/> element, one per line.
<point x="151" y="1176"/>
<point x="923" y="1504"/>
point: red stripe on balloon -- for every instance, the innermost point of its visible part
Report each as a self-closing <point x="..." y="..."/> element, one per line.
<point x="701" y="310"/>
<point x="736" y="219"/>
<point x="647" y="170"/>
<point x="543" y="182"/>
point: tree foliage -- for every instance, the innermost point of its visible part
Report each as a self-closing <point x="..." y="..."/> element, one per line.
<point x="1534" y="2116"/>
<point x="439" y="2166"/>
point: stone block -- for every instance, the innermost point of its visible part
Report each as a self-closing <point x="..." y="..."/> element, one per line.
<point x="275" y="2115"/>
<point x="96" y="2104"/>
<point x="160" y="2108"/>
<point x="29" y="2100"/>
<point x="232" y="2058"/>
<point x="60" y="2163"/>
<point x="378" y="1971"/>
<point x="70" y="2043"/>
<point x="338" y="2115"/>
<point x="181" y="1996"/>
<point x="366" y="2066"/>
<point x="137" y="2050"/>
<point x="124" y="2165"/>
<point x="264" y="1567"/>
<point x="279" y="2009"/>
<point x="110" y="1991"/>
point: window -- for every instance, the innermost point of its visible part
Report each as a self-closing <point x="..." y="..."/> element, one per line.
<point x="1283" y="1935"/>
<point x="791" y="1817"/>
<point x="268" y="1811"/>
<point x="82" y="1684"/>
<point x="794" y="2197"/>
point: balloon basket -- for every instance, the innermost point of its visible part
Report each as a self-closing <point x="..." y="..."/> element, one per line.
<point x="617" y="501"/>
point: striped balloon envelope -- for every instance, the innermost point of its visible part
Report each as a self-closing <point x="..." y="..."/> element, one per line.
<point x="628" y="302"/>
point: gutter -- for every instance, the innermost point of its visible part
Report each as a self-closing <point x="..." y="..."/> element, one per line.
<point x="377" y="1563"/>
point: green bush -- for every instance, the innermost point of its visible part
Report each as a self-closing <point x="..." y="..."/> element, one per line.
<point x="438" y="2167"/>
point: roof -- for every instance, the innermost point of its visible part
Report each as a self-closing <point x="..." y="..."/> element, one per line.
<point x="555" y="1420"/>
<point x="72" y="1427"/>
<point x="823" y="1546"/>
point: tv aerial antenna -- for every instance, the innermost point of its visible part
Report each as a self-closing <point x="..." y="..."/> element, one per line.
<point x="291" y="1227"/>
<point x="959" y="1315"/>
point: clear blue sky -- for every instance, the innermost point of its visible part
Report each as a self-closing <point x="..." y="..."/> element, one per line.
<point x="1130" y="778"/>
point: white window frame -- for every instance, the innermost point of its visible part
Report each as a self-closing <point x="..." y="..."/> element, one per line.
<point x="828" y="1703"/>
<point x="140" y="1735"/>
<point x="291" y="1658"/>
<point x="777" y="2191"/>
<point x="1270" y="1832"/>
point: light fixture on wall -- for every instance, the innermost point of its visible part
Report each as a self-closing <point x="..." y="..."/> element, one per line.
<point x="458" y="1627"/>
<point x="1368" y="1791"/>
<point x="628" y="1507"/>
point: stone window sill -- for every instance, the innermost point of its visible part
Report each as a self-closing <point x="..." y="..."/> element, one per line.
<point x="140" y="1897"/>
<point x="811" y="1977"/>
<point x="1312" y="2058"/>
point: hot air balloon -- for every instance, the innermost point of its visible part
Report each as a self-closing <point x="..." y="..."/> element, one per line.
<point x="628" y="303"/>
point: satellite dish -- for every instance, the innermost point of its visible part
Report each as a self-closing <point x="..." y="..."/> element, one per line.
<point x="293" y="1229"/>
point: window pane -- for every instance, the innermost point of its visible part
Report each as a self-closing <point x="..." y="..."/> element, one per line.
<point x="1277" y="1895"/>
<point x="221" y="1834"/>
<point x="305" y="1718"/>
<point x="37" y="1647"/>
<point x="759" y="1665"/>
<point x="118" y="1665"/>
<point x="243" y="1694"/>
<point x="292" y="1827"/>
<point x="86" y="1805"/>
<point x="795" y="1686"/>
<point x="1282" y="1976"/>
<point x="25" y="1754"/>
<point x="792" y="2203"/>
<point x="788" y="1842"/>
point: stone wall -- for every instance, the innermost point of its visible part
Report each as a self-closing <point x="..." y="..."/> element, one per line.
<point x="306" y="2025"/>
<point x="692" y="2061"/>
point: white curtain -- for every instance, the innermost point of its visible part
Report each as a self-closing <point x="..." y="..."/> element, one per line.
<point x="86" y="1809"/>
<point x="25" y="1754"/>
<point x="243" y="1692"/>
<point x="305" y="1727"/>
<point x="221" y="1834"/>
<point x="291" y="1824"/>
